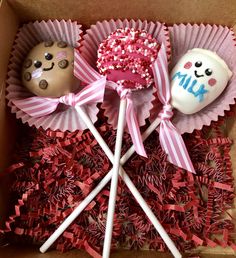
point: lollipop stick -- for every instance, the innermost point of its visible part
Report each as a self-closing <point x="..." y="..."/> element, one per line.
<point x="105" y="180"/>
<point x="114" y="180"/>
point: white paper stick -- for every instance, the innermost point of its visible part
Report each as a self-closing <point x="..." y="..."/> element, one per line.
<point x="114" y="180"/>
<point x="75" y="213"/>
<point x="103" y="183"/>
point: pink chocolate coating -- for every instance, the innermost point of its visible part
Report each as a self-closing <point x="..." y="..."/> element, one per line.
<point x="125" y="57"/>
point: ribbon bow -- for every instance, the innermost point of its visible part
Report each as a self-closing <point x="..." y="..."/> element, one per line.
<point x="170" y="139"/>
<point x="92" y="93"/>
<point x="131" y="117"/>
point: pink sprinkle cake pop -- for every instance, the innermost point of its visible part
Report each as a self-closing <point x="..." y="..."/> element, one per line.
<point x="125" y="57"/>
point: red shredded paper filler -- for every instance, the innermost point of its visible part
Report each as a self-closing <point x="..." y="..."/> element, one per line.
<point x="54" y="171"/>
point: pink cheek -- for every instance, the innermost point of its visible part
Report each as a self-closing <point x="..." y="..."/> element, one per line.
<point x="61" y="55"/>
<point x="188" y="65"/>
<point x="212" y="82"/>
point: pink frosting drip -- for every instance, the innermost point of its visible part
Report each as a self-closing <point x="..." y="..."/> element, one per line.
<point x="125" y="57"/>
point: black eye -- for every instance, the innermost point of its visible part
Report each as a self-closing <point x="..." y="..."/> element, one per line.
<point x="198" y="64"/>
<point x="37" y="64"/>
<point x="48" y="56"/>
<point x="208" y="72"/>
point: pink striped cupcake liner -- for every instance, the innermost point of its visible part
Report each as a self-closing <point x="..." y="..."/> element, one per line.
<point x="215" y="38"/>
<point x="29" y="35"/>
<point x="89" y="46"/>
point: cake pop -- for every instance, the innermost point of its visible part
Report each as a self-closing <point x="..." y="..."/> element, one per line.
<point x="198" y="78"/>
<point x="48" y="69"/>
<point x="125" y="57"/>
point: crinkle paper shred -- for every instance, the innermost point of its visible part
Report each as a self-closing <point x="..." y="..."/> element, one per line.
<point x="54" y="171"/>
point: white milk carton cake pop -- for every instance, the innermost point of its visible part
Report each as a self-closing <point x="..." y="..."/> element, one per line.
<point x="198" y="79"/>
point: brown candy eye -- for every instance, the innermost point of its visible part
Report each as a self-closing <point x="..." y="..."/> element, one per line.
<point x="27" y="76"/>
<point x="198" y="64"/>
<point x="48" y="43"/>
<point x="48" y="56"/>
<point x="43" y="84"/>
<point x="28" y="63"/>
<point x="37" y="64"/>
<point x="208" y="72"/>
<point x="62" y="44"/>
<point x="63" y="63"/>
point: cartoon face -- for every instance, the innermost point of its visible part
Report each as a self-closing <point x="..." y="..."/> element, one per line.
<point x="198" y="78"/>
<point x="48" y="69"/>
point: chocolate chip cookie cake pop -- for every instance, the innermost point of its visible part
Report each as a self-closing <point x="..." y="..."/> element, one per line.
<point x="48" y="69"/>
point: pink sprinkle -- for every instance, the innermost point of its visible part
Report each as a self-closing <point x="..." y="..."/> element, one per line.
<point x="212" y="82"/>
<point x="188" y="65"/>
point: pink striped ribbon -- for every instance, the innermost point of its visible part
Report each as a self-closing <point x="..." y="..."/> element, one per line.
<point x="170" y="139"/>
<point x="92" y="93"/>
<point x="131" y="117"/>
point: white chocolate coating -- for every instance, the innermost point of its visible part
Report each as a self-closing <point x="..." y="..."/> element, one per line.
<point x="198" y="79"/>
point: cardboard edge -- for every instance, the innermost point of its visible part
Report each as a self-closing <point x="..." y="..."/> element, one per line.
<point x="8" y="27"/>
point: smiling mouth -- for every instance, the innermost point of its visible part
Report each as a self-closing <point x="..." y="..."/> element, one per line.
<point x="50" y="68"/>
<point x="197" y="75"/>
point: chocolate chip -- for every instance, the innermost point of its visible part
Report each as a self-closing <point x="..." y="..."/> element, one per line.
<point x="28" y="63"/>
<point x="43" y="84"/>
<point x="48" y="43"/>
<point x="63" y="63"/>
<point x="27" y="76"/>
<point x="62" y="44"/>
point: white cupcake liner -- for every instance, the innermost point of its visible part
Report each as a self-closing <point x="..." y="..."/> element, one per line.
<point x="215" y="38"/>
<point x="27" y="37"/>
<point x="89" y="46"/>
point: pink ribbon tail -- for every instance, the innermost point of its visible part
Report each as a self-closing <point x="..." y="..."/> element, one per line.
<point x="133" y="127"/>
<point x="173" y="144"/>
<point x="131" y="118"/>
<point x="92" y="93"/>
<point x="37" y="106"/>
<point x="170" y="139"/>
